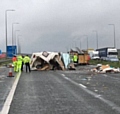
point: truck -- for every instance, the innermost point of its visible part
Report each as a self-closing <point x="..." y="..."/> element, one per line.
<point x="108" y="53"/>
<point x="94" y="54"/>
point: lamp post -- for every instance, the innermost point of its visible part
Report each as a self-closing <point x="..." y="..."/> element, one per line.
<point x="80" y="43"/>
<point x="16" y="40"/>
<point x="114" y="34"/>
<point x="87" y="40"/>
<point x="96" y="37"/>
<point x="75" y="43"/>
<point x="13" y="31"/>
<point x="19" y="47"/>
<point x="6" y="27"/>
<point x="16" y="36"/>
<point x="12" y="35"/>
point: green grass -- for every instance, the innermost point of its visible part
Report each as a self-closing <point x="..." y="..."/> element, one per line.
<point x="112" y="64"/>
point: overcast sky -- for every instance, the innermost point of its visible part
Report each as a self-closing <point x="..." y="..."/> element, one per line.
<point x="57" y="25"/>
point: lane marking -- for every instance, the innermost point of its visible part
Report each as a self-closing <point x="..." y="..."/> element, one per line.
<point x="82" y="85"/>
<point x="108" y="102"/>
<point x="63" y="74"/>
<point x="66" y="78"/>
<point x="8" y="101"/>
<point x="1" y="81"/>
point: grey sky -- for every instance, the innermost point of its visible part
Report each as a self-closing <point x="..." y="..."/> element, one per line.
<point x="57" y="25"/>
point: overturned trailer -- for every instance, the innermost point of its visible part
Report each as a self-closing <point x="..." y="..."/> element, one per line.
<point x="46" y="61"/>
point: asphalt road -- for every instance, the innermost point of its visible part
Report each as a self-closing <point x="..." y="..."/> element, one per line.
<point x="67" y="92"/>
<point x="5" y="84"/>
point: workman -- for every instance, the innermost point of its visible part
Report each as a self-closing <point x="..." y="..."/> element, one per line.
<point x="19" y="63"/>
<point x="75" y="58"/>
<point x="14" y="60"/>
<point x="22" y="63"/>
<point x="27" y="63"/>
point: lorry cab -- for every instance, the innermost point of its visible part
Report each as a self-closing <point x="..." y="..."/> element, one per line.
<point x="108" y="53"/>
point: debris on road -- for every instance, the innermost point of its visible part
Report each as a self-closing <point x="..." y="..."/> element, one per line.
<point x="46" y="61"/>
<point x="105" y="68"/>
<point x="71" y="66"/>
<point x="51" y="61"/>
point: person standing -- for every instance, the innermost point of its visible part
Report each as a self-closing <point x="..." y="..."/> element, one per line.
<point x="19" y="63"/>
<point x="27" y="63"/>
<point x="14" y="60"/>
<point x="75" y="58"/>
<point x="22" y="63"/>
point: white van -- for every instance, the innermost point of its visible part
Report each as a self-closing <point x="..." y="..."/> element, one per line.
<point x="94" y="55"/>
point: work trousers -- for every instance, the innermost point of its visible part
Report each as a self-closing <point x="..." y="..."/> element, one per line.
<point x="22" y="66"/>
<point x="27" y="67"/>
<point x="15" y="66"/>
<point x="19" y="64"/>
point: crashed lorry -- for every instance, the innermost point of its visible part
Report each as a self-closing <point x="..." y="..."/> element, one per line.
<point x="49" y="61"/>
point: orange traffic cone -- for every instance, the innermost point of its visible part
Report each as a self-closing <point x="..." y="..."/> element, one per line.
<point x="10" y="71"/>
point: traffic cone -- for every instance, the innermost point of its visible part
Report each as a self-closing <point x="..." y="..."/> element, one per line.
<point x="10" y="71"/>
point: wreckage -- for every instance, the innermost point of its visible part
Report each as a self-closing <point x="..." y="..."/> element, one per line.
<point x="50" y="61"/>
<point x="105" y="68"/>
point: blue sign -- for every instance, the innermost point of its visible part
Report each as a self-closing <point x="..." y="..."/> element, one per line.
<point x="11" y="51"/>
<point x="0" y="52"/>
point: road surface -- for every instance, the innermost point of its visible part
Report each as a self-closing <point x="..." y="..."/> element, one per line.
<point x="66" y="92"/>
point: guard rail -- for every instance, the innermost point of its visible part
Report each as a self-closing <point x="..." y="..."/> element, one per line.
<point x="2" y="61"/>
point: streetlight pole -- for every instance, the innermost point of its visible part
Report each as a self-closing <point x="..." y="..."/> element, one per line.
<point x="87" y="41"/>
<point x="12" y="35"/>
<point x="114" y="34"/>
<point x="80" y="43"/>
<point x="13" y="31"/>
<point x="16" y="40"/>
<point x="19" y="47"/>
<point x="96" y="37"/>
<point x="6" y="27"/>
<point x="16" y="36"/>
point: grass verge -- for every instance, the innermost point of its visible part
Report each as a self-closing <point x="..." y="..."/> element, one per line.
<point x="112" y="64"/>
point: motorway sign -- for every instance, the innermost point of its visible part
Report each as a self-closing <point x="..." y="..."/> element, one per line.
<point x="0" y="52"/>
<point x="11" y="51"/>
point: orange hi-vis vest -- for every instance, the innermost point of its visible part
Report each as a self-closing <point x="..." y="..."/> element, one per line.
<point x="14" y="59"/>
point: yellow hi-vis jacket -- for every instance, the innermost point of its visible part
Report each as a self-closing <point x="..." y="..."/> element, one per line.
<point x="26" y="59"/>
<point x="19" y="58"/>
<point x="75" y="58"/>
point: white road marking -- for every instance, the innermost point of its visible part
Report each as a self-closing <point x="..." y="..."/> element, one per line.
<point x="108" y="102"/>
<point x="63" y="74"/>
<point x="1" y="81"/>
<point x="66" y="78"/>
<point x="8" y="101"/>
<point x="82" y="85"/>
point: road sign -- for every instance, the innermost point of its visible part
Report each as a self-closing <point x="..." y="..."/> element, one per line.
<point x="0" y="52"/>
<point x="11" y="51"/>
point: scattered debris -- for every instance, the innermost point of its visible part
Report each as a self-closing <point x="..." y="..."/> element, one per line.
<point x="71" y="66"/>
<point x="105" y="68"/>
<point x="51" y="61"/>
<point x="46" y="61"/>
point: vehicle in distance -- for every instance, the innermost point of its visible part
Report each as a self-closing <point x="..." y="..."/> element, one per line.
<point x="94" y="55"/>
<point x="108" y="53"/>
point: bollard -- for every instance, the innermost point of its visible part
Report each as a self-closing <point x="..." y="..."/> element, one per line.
<point x="10" y="71"/>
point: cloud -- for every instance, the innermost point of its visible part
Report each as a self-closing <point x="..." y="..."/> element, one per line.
<point x="56" y="24"/>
